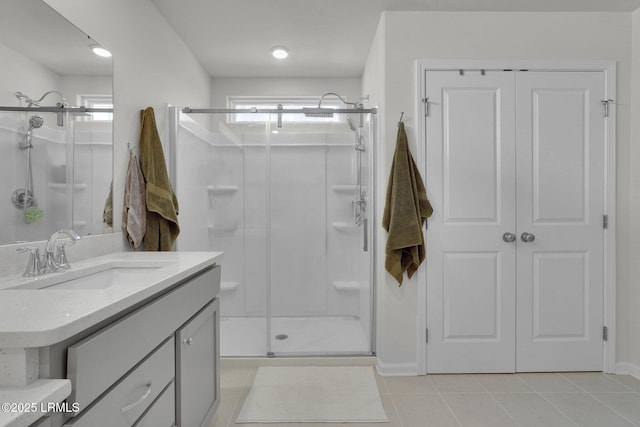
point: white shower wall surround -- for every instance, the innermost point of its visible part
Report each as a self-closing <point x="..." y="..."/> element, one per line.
<point x="299" y="231"/>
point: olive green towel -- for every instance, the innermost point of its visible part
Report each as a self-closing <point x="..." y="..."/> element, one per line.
<point x="406" y="209"/>
<point x="162" y="204"/>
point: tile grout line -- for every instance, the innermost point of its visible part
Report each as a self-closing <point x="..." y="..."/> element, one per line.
<point x="243" y="395"/>
<point x="539" y="393"/>
<point x="612" y="409"/>
<point x="448" y="407"/>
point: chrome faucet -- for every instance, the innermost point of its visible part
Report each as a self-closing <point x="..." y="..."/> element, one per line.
<point x="54" y="254"/>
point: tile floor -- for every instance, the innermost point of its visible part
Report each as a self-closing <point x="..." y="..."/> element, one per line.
<point x="491" y="400"/>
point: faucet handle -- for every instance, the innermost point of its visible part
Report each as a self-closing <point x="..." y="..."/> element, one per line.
<point x="61" y="255"/>
<point x="34" y="264"/>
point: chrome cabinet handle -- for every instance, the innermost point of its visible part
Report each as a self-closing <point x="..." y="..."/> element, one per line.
<point x="527" y="237"/>
<point x="188" y="341"/>
<point x="132" y="405"/>
<point x="509" y="237"/>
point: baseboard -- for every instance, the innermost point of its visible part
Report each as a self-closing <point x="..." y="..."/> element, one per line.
<point x="626" y="368"/>
<point x="397" y="369"/>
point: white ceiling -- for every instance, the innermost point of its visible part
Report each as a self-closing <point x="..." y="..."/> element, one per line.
<point x="326" y="38"/>
<point x="35" y="30"/>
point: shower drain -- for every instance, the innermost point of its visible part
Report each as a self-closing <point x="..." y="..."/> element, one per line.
<point x="281" y="337"/>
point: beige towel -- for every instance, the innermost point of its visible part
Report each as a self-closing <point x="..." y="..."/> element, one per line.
<point x="134" y="215"/>
<point x="162" y="203"/>
<point x="405" y="211"/>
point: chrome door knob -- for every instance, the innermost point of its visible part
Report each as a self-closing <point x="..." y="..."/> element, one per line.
<point x="509" y="237"/>
<point x="527" y="237"/>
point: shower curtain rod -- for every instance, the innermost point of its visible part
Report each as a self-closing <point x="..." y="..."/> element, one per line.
<point x="188" y="110"/>
<point x="59" y="109"/>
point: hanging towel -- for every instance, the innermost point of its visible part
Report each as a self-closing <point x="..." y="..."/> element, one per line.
<point x="405" y="211"/>
<point x="162" y="204"/>
<point x="134" y="215"/>
<point x="107" y="212"/>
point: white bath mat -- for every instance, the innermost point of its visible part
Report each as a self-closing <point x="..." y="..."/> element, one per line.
<point x="318" y="394"/>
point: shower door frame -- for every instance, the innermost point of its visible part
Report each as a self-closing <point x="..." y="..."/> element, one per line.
<point x="173" y="125"/>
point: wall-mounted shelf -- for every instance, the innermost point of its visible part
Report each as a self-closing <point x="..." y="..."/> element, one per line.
<point x="222" y="231"/>
<point x="345" y="227"/>
<point x="222" y="189"/>
<point x="62" y="186"/>
<point x="229" y="286"/>
<point x="346" y="285"/>
<point x="344" y="188"/>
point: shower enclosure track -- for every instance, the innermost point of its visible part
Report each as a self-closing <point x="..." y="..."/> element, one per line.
<point x="188" y="110"/>
<point x="59" y="109"/>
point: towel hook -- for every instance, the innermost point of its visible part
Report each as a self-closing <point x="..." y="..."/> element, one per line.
<point x="401" y="115"/>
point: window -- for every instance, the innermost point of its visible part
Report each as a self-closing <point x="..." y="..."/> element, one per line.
<point x="97" y="101"/>
<point x="298" y="102"/>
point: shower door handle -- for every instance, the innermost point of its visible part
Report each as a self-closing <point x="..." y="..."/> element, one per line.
<point x="365" y="245"/>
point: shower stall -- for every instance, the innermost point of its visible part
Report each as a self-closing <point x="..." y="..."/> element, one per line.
<point x="43" y="150"/>
<point x="287" y="194"/>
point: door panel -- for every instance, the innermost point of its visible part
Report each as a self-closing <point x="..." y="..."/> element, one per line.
<point x="560" y="201"/>
<point x="470" y="180"/>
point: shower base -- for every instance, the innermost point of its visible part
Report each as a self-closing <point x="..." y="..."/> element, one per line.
<point x="246" y="336"/>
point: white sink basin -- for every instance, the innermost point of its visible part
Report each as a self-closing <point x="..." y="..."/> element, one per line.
<point x="95" y="277"/>
<point x="104" y="279"/>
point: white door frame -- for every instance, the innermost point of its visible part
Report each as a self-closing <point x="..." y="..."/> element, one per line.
<point x="609" y="69"/>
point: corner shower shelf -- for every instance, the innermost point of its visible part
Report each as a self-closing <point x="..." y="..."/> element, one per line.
<point x="344" y="189"/>
<point x="228" y="286"/>
<point x="61" y="186"/>
<point x="345" y="227"/>
<point x="220" y="230"/>
<point x="222" y="189"/>
<point x="346" y="285"/>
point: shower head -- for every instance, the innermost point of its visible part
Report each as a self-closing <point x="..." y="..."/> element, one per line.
<point x="35" y="122"/>
<point x="351" y="124"/>
<point x="318" y="112"/>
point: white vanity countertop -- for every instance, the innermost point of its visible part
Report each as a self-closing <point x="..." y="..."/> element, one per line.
<point x="43" y="317"/>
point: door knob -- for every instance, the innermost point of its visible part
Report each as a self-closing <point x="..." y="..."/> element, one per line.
<point x="527" y="237"/>
<point x="509" y="237"/>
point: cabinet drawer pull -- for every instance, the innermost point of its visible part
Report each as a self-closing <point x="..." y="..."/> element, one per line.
<point x="188" y="341"/>
<point x="132" y="405"/>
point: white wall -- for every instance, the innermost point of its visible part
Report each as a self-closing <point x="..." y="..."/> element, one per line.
<point x="152" y="67"/>
<point x="409" y="36"/>
<point x="629" y="245"/>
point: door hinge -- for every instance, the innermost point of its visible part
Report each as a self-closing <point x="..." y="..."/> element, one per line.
<point x="605" y="333"/>
<point x="605" y="105"/>
<point x="605" y="221"/>
<point x="426" y="106"/>
<point x="426" y="335"/>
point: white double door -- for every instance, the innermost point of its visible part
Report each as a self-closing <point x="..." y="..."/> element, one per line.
<point x="515" y="170"/>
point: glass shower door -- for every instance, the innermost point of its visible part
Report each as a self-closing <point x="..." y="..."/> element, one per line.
<point x="319" y="291"/>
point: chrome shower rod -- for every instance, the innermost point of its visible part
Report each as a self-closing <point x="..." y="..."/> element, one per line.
<point x="59" y="109"/>
<point x="188" y="110"/>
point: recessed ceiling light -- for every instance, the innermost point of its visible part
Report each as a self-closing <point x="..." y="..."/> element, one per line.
<point x="279" y="52"/>
<point x="99" y="50"/>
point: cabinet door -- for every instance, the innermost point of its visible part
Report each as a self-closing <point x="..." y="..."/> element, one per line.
<point x="197" y="376"/>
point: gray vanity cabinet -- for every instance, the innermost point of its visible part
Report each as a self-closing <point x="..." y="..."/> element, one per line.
<point x="157" y="366"/>
<point x="197" y="373"/>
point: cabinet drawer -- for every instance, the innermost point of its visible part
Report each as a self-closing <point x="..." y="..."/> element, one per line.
<point x="124" y="404"/>
<point x="99" y="360"/>
<point x="162" y="412"/>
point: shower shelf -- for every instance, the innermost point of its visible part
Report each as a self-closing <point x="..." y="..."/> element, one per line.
<point x="222" y="189"/>
<point x="63" y="186"/>
<point x="346" y="285"/>
<point x="345" y="227"/>
<point x="220" y="230"/>
<point x="228" y="286"/>
<point x="344" y="189"/>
